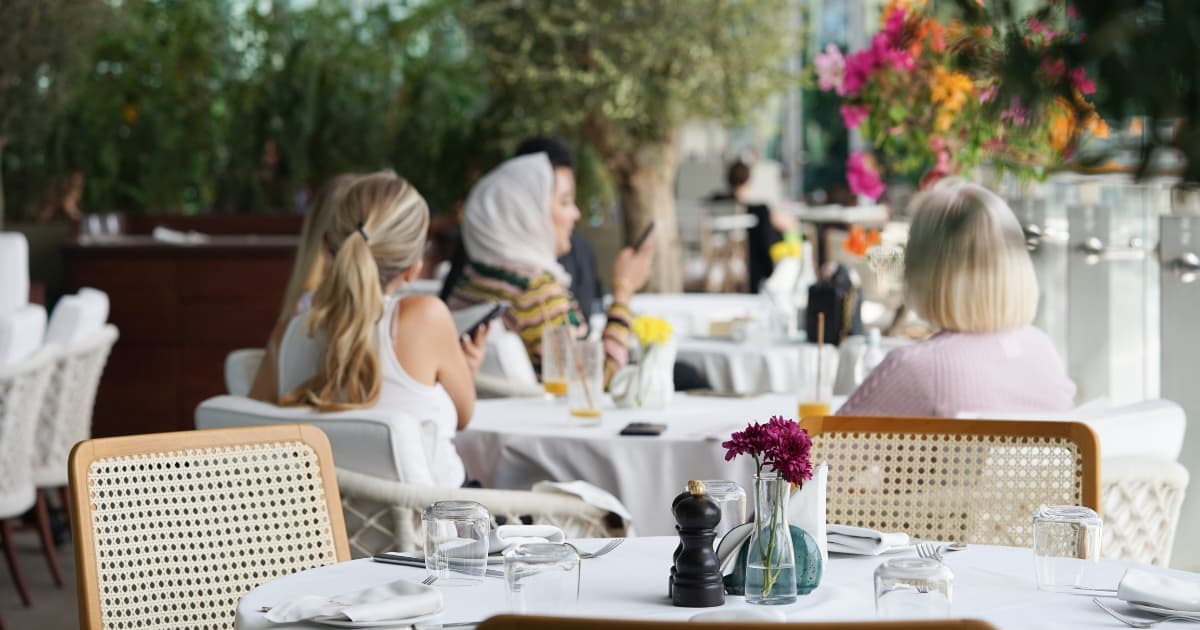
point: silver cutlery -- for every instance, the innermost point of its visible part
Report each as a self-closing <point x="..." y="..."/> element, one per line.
<point x="429" y="580"/>
<point x="609" y="546"/>
<point x="1135" y="622"/>
<point x="929" y="550"/>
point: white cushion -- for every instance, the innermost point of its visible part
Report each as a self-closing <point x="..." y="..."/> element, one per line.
<point x="1150" y="428"/>
<point x="299" y="355"/>
<point x="14" y="271"/>
<point x="21" y="333"/>
<point x="77" y="317"/>
<point x="241" y="366"/>
<point x="389" y="445"/>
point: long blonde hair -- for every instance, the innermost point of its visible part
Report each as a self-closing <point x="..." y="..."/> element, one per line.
<point x="309" y="266"/>
<point x="966" y="265"/>
<point x="377" y="232"/>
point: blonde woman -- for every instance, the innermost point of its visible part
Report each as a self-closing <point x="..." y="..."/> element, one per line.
<point x="307" y="271"/>
<point x="969" y="275"/>
<point x="383" y="351"/>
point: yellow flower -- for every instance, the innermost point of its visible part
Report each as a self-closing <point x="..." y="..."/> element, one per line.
<point x="944" y="119"/>
<point x="784" y="249"/>
<point x="1062" y="125"/>
<point x="651" y="330"/>
<point x="950" y="89"/>
<point x="129" y="113"/>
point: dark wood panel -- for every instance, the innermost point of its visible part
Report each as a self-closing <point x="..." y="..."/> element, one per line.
<point x="138" y="391"/>
<point x="256" y="281"/>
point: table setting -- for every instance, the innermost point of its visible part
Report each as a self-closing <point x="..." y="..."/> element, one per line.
<point x="726" y="563"/>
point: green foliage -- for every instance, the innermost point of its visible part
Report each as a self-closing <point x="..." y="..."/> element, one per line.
<point x="190" y="105"/>
<point x="625" y="74"/>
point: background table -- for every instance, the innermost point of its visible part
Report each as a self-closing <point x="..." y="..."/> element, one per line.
<point x="514" y="442"/>
<point x="991" y="583"/>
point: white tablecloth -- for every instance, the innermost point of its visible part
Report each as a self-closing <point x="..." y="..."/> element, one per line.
<point x="991" y="583"/>
<point x="514" y="442"/>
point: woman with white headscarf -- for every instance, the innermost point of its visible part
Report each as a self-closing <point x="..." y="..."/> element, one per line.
<point x="517" y="223"/>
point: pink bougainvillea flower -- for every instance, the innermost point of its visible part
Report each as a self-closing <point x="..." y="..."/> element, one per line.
<point x="1072" y="12"/>
<point x="941" y="168"/>
<point x="1016" y="113"/>
<point x="862" y="176"/>
<point x="1079" y="78"/>
<point x="831" y="69"/>
<point x="854" y="115"/>
<point x="988" y="93"/>
<point x="895" y="26"/>
<point x="858" y="69"/>
<point x="1054" y="69"/>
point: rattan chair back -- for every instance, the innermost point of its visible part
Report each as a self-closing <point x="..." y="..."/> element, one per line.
<point x="975" y="481"/>
<point x="171" y="529"/>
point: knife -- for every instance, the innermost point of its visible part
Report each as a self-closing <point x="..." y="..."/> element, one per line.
<point x="411" y="561"/>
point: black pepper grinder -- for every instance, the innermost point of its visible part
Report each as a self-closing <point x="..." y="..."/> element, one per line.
<point x="697" y="581"/>
<point x="678" y="548"/>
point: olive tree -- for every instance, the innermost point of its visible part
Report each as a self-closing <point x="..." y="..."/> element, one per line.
<point x="623" y="76"/>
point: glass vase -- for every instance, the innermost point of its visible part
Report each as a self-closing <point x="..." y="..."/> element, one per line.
<point x="770" y="561"/>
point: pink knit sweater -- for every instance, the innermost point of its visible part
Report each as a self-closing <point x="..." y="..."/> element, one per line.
<point x="1014" y="370"/>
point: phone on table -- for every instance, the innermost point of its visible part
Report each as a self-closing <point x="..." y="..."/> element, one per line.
<point x="644" y="428"/>
<point x="641" y="240"/>
<point x="468" y="320"/>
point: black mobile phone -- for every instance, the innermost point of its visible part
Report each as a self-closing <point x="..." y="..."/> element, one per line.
<point x="468" y="320"/>
<point x="644" y="428"/>
<point x="641" y="240"/>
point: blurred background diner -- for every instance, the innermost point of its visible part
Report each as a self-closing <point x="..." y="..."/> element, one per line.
<point x="547" y="256"/>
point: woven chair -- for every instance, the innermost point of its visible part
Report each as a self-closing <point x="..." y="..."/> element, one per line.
<point x="384" y="475"/>
<point x="974" y="481"/>
<point x="1142" y="498"/>
<point x="522" y="622"/>
<point x="22" y="387"/>
<point x="172" y="528"/>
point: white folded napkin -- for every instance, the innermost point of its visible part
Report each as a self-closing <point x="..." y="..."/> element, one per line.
<point x="398" y="600"/>
<point x="590" y="494"/>
<point x="507" y="536"/>
<point x="1156" y="589"/>
<point x="863" y="542"/>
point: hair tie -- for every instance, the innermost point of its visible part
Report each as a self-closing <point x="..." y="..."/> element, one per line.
<point x="362" y="231"/>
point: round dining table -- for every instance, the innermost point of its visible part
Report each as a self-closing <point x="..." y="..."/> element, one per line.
<point x="995" y="584"/>
<point x="512" y="443"/>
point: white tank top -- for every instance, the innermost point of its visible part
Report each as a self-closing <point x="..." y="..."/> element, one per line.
<point x="427" y="402"/>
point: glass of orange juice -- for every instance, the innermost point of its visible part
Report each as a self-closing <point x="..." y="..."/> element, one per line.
<point x="556" y="341"/>
<point x="585" y="380"/>
<point x="817" y="392"/>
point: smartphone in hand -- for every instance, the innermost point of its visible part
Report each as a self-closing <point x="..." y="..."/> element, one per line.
<point x="641" y="240"/>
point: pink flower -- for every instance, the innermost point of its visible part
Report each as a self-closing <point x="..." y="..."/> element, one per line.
<point x="1040" y="29"/>
<point x="1079" y="78"/>
<point x="831" y="69"/>
<point x="941" y="168"/>
<point x="895" y="26"/>
<point x="1054" y="69"/>
<point x="862" y="176"/>
<point x="858" y="69"/>
<point x="1072" y="12"/>
<point x="854" y="115"/>
<point x="988" y="93"/>
<point x="1016" y="113"/>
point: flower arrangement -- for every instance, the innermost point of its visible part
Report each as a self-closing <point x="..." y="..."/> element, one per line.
<point x="931" y="98"/>
<point x="785" y="448"/>
<point x="780" y="444"/>
<point x="651" y="330"/>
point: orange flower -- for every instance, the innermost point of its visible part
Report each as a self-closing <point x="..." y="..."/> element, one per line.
<point x="1096" y="126"/>
<point x="856" y="241"/>
<point x="950" y="89"/>
<point x="1062" y="125"/>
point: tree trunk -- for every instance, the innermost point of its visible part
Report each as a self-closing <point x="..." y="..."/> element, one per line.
<point x="646" y="186"/>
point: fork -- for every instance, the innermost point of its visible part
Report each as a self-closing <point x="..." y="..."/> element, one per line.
<point x="609" y="546"/>
<point x="428" y="581"/>
<point x="929" y="550"/>
<point x="1134" y="622"/>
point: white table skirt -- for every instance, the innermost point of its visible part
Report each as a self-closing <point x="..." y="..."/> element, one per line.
<point x="991" y="583"/>
<point x="513" y="443"/>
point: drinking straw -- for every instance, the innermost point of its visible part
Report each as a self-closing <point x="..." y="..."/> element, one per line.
<point x="820" y="350"/>
<point x="587" y="391"/>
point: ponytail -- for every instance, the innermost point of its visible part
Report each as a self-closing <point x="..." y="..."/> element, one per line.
<point x="349" y="301"/>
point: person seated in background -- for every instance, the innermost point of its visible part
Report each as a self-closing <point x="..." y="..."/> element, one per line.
<point x="580" y="261"/>
<point x="383" y="351"/>
<point x="517" y="222"/>
<point x="968" y="273"/>
<point x="308" y="268"/>
<point x="769" y="230"/>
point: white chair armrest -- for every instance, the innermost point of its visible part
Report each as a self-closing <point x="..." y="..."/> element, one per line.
<point x="241" y="366"/>
<point x="492" y="386"/>
<point x="1141" y="499"/>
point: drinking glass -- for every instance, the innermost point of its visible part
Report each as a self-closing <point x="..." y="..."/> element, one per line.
<point x="585" y="380"/>
<point x="731" y="498"/>
<point x="817" y="394"/>
<point x="1066" y="540"/>
<point x="556" y="342"/>
<point x="542" y="578"/>
<point x="456" y="541"/>
<point x="913" y="588"/>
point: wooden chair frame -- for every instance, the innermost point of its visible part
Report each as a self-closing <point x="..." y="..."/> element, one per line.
<point x="1077" y="432"/>
<point x="520" y="622"/>
<point x="88" y="451"/>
